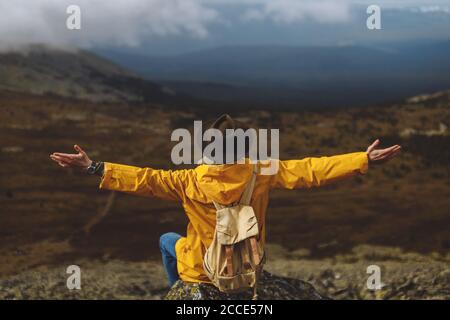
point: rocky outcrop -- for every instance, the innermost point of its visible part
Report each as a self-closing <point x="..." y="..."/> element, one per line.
<point x="270" y="287"/>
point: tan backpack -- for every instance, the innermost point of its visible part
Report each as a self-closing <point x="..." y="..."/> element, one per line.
<point x="235" y="257"/>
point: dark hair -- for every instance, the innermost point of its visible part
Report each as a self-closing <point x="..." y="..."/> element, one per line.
<point x="225" y="122"/>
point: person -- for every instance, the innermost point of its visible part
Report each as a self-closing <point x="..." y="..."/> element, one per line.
<point x="197" y="188"/>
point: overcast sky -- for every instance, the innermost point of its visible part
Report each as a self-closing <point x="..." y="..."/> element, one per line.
<point x="135" y="23"/>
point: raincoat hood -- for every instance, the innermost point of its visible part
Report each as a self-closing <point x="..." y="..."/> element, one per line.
<point x="223" y="183"/>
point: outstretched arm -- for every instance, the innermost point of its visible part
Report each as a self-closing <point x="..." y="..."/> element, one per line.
<point x="314" y="172"/>
<point x="147" y="182"/>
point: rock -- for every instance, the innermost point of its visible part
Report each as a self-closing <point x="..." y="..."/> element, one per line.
<point x="270" y="287"/>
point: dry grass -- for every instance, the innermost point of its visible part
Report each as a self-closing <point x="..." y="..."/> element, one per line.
<point x="404" y="204"/>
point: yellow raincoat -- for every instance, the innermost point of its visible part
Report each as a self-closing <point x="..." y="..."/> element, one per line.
<point x="197" y="188"/>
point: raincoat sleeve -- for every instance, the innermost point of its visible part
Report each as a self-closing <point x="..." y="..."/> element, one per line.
<point x="314" y="172"/>
<point x="147" y="182"/>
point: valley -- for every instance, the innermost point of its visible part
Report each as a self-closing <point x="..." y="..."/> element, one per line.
<point x="396" y="216"/>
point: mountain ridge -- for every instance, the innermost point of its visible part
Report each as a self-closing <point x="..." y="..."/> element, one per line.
<point x="77" y="74"/>
<point x="351" y="75"/>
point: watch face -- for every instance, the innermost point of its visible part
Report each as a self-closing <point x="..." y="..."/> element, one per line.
<point x="91" y="169"/>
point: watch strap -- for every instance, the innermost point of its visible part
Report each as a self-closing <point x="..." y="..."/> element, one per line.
<point x="96" y="168"/>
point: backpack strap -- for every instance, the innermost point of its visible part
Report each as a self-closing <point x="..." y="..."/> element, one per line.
<point x="218" y="206"/>
<point x="255" y="252"/>
<point x="229" y="260"/>
<point x="247" y="195"/>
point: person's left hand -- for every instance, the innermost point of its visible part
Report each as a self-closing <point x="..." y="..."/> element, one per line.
<point x="377" y="156"/>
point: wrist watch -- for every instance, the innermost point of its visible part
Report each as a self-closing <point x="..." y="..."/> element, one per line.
<point x="95" y="168"/>
<point x="91" y="168"/>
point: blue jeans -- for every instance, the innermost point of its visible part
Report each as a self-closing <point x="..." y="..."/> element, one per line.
<point x="169" y="257"/>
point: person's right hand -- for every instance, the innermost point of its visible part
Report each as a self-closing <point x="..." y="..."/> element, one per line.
<point x="78" y="160"/>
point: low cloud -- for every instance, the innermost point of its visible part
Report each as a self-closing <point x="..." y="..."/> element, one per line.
<point x="104" y="22"/>
<point x="431" y="9"/>
<point x="327" y="11"/>
<point x="292" y="11"/>
<point x="132" y="22"/>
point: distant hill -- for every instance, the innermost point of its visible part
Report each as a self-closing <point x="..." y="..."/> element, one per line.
<point x="301" y="76"/>
<point x="78" y="74"/>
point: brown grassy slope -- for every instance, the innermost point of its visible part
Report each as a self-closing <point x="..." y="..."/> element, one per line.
<point x="43" y="209"/>
<point x="80" y="74"/>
